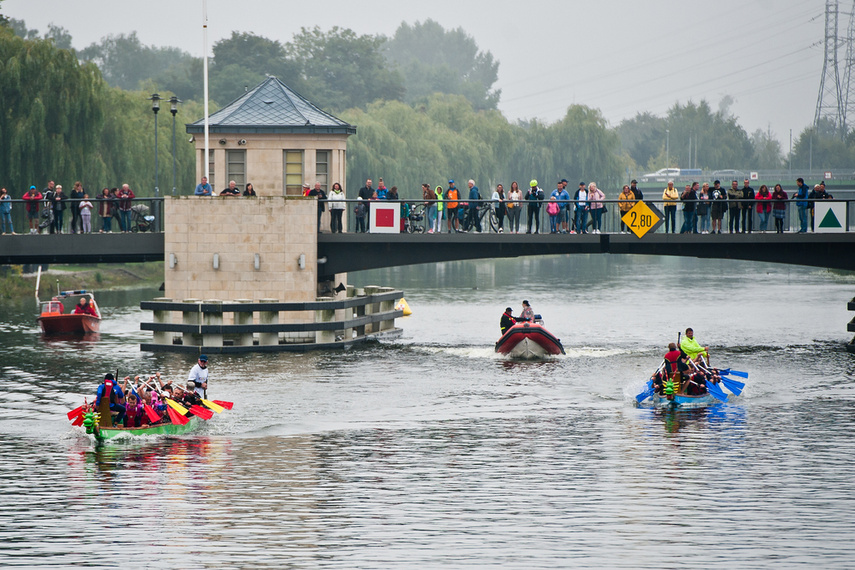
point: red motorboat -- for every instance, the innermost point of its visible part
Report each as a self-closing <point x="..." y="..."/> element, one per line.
<point x="529" y="341"/>
<point x="55" y="320"/>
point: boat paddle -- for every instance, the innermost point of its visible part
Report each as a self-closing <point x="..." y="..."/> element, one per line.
<point x="734" y="372"/>
<point x="712" y="388"/>
<point x="734" y="386"/>
<point x="649" y="390"/>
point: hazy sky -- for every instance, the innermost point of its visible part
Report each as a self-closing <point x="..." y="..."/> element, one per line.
<point x="620" y="56"/>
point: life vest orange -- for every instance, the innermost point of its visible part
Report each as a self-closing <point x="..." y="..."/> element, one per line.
<point x="451" y="194"/>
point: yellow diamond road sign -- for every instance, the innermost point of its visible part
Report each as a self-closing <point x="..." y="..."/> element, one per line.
<point x="642" y="218"/>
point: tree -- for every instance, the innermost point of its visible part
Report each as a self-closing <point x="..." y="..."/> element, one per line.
<point x="716" y="138"/>
<point x="643" y="137"/>
<point x="244" y="60"/>
<point x="767" y="151"/>
<point x="823" y="149"/>
<point x="341" y="69"/>
<point x="125" y="62"/>
<point x="434" y="60"/>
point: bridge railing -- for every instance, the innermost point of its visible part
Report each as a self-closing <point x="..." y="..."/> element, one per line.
<point x="418" y="220"/>
<point x="145" y="216"/>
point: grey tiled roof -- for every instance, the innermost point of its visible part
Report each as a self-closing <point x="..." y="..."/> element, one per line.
<point x="271" y="107"/>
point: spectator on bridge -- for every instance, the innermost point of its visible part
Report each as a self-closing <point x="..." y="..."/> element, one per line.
<point x="359" y="211"/>
<point x="702" y="211"/>
<point x="474" y="221"/>
<point x="718" y="206"/>
<point x="747" y="207"/>
<point x="689" y="197"/>
<point x="818" y="193"/>
<point x="438" y="192"/>
<point x="429" y="196"/>
<point x="249" y="191"/>
<point x="764" y="207"/>
<point x="779" y="207"/>
<point x="452" y="195"/>
<point x="382" y="191"/>
<point x="670" y="198"/>
<point x="595" y="204"/>
<point x="105" y="210"/>
<point x="77" y="193"/>
<point x="58" y="202"/>
<point x="322" y="201"/>
<point x="230" y="190"/>
<point x="337" y="205"/>
<point x="734" y="195"/>
<point x="802" y="204"/>
<point x="626" y="200"/>
<point x="533" y="198"/>
<point x="499" y="205"/>
<point x="581" y="215"/>
<point x="203" y="188"/>
<point x="6" y="212"/>
<point x="514" y="207"/>
<point x="633" y="187"/>
<point x="563" y="203"/>
<point x="32" y="198"/>
<point x="552" y="209"/>
<point x="85" y="208"/>
<point x="125" y="196"/>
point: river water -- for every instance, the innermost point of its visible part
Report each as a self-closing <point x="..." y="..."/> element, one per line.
<point x="431" y="451"/>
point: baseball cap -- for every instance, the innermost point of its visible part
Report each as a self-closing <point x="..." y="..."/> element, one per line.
<point x="451" y="181"/>
<point x="203" y="358"/>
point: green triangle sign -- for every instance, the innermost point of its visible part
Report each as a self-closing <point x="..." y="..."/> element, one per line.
<point x="830" y="220"/>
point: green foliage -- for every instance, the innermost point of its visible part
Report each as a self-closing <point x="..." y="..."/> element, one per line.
<point x="244" y="60"/>
<point x="342" y="70"/>
<point x="721" y="142"/>
<point x="823" y="148"/>
<point x="435" y="60"/>
<point x="63" y="123"/>
<point x="767" y="151"/>
<point x="642" y="137"/>
<point x="446" y="138"/>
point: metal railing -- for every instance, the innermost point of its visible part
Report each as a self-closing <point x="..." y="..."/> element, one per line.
<point x="144" y="216"/>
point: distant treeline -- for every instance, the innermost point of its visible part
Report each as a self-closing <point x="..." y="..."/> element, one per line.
<point x="423" y="102"/>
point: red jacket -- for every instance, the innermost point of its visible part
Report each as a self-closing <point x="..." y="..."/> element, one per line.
<point x="32" y="200"/>
<point x="125" y="198"/>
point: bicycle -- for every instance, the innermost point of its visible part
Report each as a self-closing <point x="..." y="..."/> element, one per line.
<point x="488" y="210"/>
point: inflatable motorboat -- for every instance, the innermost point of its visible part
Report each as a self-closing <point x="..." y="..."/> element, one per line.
<point x="529" y="341"/>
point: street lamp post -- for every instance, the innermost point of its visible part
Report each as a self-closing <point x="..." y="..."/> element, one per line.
<point x="155" y="107"/>
<point x="667" y="148"/>
<point x="173" y="108"/>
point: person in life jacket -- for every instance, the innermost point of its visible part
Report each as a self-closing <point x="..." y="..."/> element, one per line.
<point x="691" y="347"/>
<point x="527" y="313"/>
<point x="507" y="320"/>
<point x="451" y="204"/>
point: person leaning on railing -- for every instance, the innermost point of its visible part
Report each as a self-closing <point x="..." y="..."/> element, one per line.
<point x="625" y="204"/>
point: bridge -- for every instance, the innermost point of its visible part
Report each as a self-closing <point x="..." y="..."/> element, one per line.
<point x="348" y="252"/>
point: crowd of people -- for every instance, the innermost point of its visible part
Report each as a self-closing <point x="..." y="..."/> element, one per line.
<point x="46" y="209"/>
<point x="128" y="402"/>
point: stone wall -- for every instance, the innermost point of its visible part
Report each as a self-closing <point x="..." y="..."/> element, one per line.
<point x="277" y="229"/>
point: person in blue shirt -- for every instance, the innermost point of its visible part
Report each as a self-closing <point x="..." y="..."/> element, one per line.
<point x="203" y="188"/>
<point x="801" y="198"/>
<point x="474" y="221"/>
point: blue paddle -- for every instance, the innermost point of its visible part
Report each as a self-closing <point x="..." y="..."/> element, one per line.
<point x="647" y="393"/>
<point x="716" y="391"/>
<point x="734" y="372"/>
<point x="734" y="386"/>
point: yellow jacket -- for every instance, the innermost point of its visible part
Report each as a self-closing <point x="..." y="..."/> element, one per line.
<point x="670" y="195"/>
<point x="691" y="347"/>
<point x="627" y="201"/>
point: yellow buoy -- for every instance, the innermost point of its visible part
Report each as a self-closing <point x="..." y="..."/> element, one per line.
<point x="403" y="306"/>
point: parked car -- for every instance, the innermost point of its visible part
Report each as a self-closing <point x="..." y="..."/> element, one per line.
<point x="727" y="176"/>
<point x="661" y="175"/>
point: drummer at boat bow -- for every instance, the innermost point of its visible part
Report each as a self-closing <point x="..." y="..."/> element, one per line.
<point x="117" y="397"/>
<point x="508" y="320"/>
<point x="199" y="375"/>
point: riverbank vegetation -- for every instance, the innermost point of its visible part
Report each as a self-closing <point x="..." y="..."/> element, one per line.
<point x="14" y="283"/>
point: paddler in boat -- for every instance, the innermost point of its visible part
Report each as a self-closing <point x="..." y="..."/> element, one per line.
<point x="691" y="347"/>
<point x="527" y="314"/>
<point x="507" y="320"/>
<point x="116" y="398"/>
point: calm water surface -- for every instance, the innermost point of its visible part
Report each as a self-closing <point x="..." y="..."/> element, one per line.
<point x="433" y="452"/>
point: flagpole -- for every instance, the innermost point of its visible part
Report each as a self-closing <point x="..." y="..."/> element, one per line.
<point x="205" y="159"/>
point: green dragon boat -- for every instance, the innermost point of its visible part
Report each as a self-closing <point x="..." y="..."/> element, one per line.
<point x="105" y="433"/>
